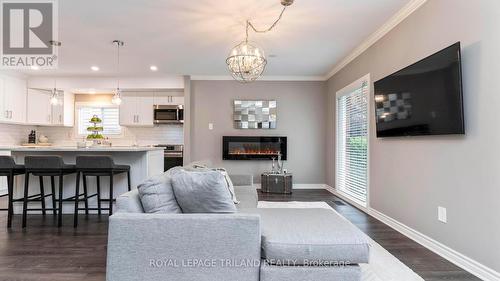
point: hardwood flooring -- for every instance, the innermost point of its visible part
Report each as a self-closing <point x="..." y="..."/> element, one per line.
<point x="43" y="252"/>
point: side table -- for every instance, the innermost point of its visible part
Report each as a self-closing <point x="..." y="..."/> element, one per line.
<point x="276" y="183"/>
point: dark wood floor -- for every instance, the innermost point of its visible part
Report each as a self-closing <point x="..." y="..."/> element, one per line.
<point x="43" y="252"/>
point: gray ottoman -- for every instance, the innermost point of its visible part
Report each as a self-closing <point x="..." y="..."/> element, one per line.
<point x="310" y="242"/>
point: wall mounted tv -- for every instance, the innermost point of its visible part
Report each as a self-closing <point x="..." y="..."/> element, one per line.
<point x="424" y="98"/>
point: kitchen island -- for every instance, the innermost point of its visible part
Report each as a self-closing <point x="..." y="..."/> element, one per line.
<point x="144" y="162"/>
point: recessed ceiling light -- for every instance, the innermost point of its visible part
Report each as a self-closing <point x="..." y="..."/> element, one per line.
<point x="94" y="68"/>
<point x="153" y="68"/>
<point x="35" y="67"/>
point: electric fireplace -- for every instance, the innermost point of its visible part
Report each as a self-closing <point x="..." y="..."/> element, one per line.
<point x="253" y="148"/>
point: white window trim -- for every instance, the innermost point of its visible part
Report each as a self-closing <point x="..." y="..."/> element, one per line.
<point x="79" y="105"/>
<point x="342" y="92"/>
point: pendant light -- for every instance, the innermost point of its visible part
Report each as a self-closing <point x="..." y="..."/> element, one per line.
<point x="247" y="61"/>
<point x="54" y="97"/>
<point x="117" y="97"/>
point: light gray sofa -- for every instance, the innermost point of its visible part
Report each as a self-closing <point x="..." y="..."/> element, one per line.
<point x="253" y="244"/>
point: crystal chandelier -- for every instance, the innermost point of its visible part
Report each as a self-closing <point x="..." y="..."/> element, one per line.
<point x="117" y="97"/>
<point x="247" y="61"/>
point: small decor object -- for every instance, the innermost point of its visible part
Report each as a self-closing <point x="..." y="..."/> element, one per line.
<point x="255" y="114"/>
<point x="276" y="183"/>
<point x="96" y="130"/>
<point x="32" y="137"/>
<point x="43" y="139"/>
<point x="247" y="61"/>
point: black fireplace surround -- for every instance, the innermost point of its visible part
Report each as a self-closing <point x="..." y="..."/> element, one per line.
<point x="253" y="148"/>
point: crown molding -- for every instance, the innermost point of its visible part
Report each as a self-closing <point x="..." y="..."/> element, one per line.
<point x="263" y="78"/>
<point x="396" y="19"/>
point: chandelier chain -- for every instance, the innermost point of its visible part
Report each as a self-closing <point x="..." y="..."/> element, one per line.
<point x="250" y="25"/>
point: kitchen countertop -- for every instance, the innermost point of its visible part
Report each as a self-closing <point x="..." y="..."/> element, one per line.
<point x="18" y="148"/>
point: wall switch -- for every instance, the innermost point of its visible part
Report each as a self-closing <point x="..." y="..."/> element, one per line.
<point x="442" y="215"/>
<point x="210" y="126"/>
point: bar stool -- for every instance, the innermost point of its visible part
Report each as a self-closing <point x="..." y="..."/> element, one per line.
<point x="9" y="169"/>
<point x="46" y="166"/>
<point x="97" y="166"/>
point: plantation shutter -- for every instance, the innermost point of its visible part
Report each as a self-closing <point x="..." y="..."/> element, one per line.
<point x="352" y="143"/>
<point x="109" y="116"/>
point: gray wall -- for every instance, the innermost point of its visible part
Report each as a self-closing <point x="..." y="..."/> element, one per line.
<point x="411" y="177"/>
<point x="301" y="117"/>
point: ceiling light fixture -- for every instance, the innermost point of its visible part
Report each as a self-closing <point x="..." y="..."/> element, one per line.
<point x="94" y="68"/>
<point x="247" y="61"/>
<point x="54" y="100"/>
<point x="153" y="68"/>
<point x="117" y="97"/>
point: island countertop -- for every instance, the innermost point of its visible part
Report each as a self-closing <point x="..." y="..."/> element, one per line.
<point x="18" y="148"/>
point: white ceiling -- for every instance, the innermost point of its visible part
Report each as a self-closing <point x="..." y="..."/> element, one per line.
<point x="194" y="37"/>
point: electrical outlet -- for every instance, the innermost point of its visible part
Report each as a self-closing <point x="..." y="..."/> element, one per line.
<point x="210" y="126"/>
<point x="442" y="215"/>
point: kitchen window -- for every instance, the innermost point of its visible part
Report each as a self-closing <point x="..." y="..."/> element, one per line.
<point x="352" y="141"/>
<point x="109" y="114"/>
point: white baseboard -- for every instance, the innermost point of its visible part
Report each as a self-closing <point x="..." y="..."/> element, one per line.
<point x="300" y="186"/>
<point x="460" y="260"/>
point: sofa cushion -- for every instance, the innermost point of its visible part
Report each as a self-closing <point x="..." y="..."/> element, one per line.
<point x="202" y="192"/>
<point x="129" y="202"/>
<point x="310" y="273"/>
<point x="157" y="196"/>
<point x="308" y="236"/>
<point x="247" y="195"/>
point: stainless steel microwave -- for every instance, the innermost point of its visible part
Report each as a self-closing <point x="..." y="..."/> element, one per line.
<point x="168" y="114"/>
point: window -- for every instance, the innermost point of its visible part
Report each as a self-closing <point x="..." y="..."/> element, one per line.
<point x="109" y="115"/>
<point x="352" y="141"/>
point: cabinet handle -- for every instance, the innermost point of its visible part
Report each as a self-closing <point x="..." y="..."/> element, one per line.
<point x="10" y="114"/>
<point x="137" y="118"/>
<point x="60" y="118"/>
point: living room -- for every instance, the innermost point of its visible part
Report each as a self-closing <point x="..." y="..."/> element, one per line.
<point x="249" y="140"/>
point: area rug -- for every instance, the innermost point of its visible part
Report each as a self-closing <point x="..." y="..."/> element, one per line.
<point x="382" y="267"/>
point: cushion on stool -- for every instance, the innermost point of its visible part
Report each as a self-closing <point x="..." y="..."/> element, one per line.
<point x="310" y="236"/>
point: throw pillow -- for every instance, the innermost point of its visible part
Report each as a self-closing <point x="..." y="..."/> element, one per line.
<point x="229" y="184"/>
<point x="157" y="196"/>
<point x="202" y="192"/>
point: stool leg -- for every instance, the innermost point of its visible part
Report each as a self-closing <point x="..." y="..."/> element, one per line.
<point x="59" y="219"/>
<point x="53" y="190"/>
<point x="85" y="194"/>
<point x="77" y="196"/>
<point x="10" y="187"/>
<point x="42" y="195"/>
<point x="98" y="179"/>
<point x="110" y="194"/>
<point x="128" y="181"/>
<point x="25" y="199"/>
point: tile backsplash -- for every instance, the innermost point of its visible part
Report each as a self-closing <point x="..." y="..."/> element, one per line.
<point x="160" y="134"/>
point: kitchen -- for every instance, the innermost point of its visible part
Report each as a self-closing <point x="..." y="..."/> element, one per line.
<point x="145" y="130"/>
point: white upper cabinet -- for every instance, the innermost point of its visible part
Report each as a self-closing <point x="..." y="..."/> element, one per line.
<point x="42" y="112"/>
<point x="63" y="113"/>
<point x="13" y="100"/>
<point x="136" y="109"/>
<point x="39" y="107"/>
<point x="169" y="98"/>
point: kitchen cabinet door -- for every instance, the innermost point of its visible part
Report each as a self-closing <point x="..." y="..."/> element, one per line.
<point x="15" y="100"/>
<point x="145" y="114"/>
<point x="128" y="111"/>
<point x="57" y="114"/>
<point x="3" y="110"/>
<point x="39" y="108"/>
<point x="177" y="100"/>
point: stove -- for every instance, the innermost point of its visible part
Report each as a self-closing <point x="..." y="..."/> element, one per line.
<point x="173" y="155"/>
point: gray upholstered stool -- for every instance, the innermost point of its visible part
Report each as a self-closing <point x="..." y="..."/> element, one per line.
<point x="9" y="169"/>
<point x="97" y="166"/>
<point x="46" y="166"/>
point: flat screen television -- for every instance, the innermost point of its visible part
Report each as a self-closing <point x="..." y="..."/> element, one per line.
<point x="424" y="98"/>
